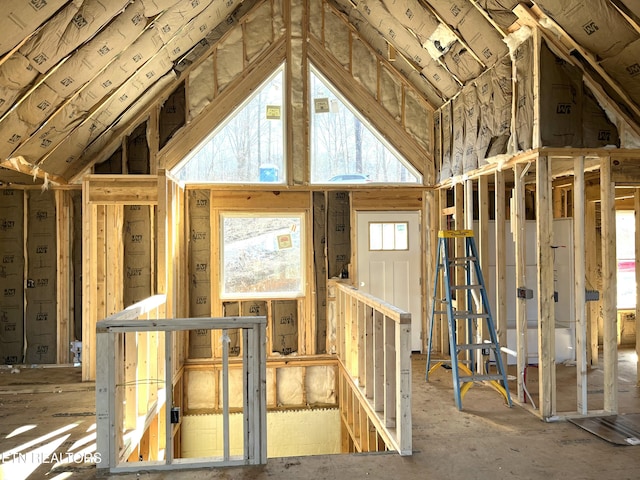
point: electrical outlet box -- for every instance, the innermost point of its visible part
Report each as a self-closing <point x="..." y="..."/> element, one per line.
<point x="525" y="293"/>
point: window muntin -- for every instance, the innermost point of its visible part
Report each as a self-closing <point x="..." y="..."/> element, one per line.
<point x="262" y="255"/>
<point x="388" y="236"/>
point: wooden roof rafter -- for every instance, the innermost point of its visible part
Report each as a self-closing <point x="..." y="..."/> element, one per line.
<point x="385" y="61"/>
<point x="91" y="157"/>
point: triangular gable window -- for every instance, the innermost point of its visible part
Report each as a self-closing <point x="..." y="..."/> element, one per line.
<point x="248" y="147"/>
<point x="345" y="148"/>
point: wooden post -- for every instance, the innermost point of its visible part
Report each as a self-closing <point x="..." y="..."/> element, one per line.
<point x="558" y="204"/>
<point x="459" y="272"/>
<point x="483" y="250"/>
<point x="471" y="332"/>
<point x="403" y="387"/>
<point x="89" y="284"/>
<point x="106" y="437"/>
<point x="536" y="141"/>
<point x="169" y="452"/>
<point x="309" y="328"/>
<point x="593" y="255"/>
<point x="429" y="230"/>
<point x="162" y="215"/>
<point x="546" y="310"/>
<point x="442" y="328"/>
<point x="114" y="268"/>
<point x="636" y="205"/>
<point x="501" y="267"/>
<point x="609" y="290"/>
<point x="518" y="227"/>
<point x="64" y="274"/>
<point x="580" y="305"/>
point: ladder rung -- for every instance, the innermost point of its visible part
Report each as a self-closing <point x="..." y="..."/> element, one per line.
<point x="464" y="259"/>
<point x="479" y="378"/>
<point x="462" y="315"/>
<point x="466" y="287"/>
<point x="475" y="346"/>
<point x="453" y="263"/>
<point x="464" y="263"/>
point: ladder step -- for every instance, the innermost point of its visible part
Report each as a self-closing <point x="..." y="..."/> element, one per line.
<point x="464" y="259"/>
<point x="475" y="346"/>
<point x="463" y="315"/>
<point x="466" y="287"/>
<point x="479" y="378"/>
<point x="467" y="312"/>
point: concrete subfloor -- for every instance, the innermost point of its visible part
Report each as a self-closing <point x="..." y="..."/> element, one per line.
<point x="45" y="411"/>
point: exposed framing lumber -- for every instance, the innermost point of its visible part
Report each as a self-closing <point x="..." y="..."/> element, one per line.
<point x="122" y="189"/>
<point x="103" y="200"/>
<point x="64" y="286"/>
<point x="397" y="198"/>
<point x="251" y="200"/>
<point x="592" y="161"/>
<point x="459" y="251"/>
<point x="183" y="142"/>
<point x="536" y="139"/>
<point x="455" y="33"/>
<point x="546" y="313"/>
<point x="386" y="61"/>
<point x="114" y="247"/>
<point x="428" y="231"/>
<point x="441" y="335"/>
<point x="636" y="202"/>
<point x="307" y="321"/>
<point x="135" y="322"/>
<point x="30" y="170"/>
<point x="625" y="171"/>
<point x="89" y="156"/>
<point x="609" y="288"/>
<point x="89" y="295"/>
<point x="501" y="264"/>
<point x="483" y="252"/>
<point x="518" y="228"/>
<point x="380" y="118"/>
<point x="296" y="83"/>
<point x="580" y="306"/>
<point x="162" y="232"/>
<point x="592" y="271"/>
<point x="387" y="400"/>
<point x="468" y="224"/>
<point x="563" y="41"/>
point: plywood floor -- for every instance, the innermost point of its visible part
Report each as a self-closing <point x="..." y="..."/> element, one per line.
<point x="47" y="410"/>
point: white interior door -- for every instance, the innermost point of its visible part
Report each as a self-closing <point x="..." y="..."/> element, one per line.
<point x="389" y="262"/>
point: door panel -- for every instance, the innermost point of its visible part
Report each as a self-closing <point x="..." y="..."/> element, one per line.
<point x="393" y="275"/>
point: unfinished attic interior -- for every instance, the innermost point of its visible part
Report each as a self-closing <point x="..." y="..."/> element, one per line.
<point x="224" y="217"/>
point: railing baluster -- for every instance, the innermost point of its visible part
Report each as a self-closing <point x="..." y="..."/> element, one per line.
<point x="374" y="349"/>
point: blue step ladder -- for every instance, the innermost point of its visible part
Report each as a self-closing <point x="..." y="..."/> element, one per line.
<point x="476" y="310"/>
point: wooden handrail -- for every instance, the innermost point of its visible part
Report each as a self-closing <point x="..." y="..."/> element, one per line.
<point x="373" y="344"/>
